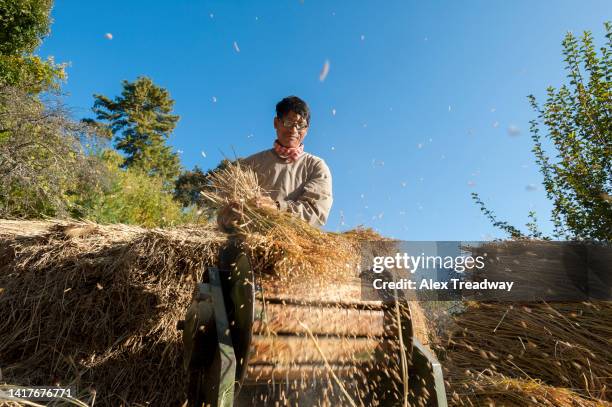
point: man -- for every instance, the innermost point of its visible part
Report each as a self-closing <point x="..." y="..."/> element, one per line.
<point x="298" y="182"/>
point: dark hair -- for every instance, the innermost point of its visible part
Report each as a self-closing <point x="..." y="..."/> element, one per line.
<point x="293" y="104"/>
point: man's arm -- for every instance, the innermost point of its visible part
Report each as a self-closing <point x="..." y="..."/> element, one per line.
<point x="316" y="200"/>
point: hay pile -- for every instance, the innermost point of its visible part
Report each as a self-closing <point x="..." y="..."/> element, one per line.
<point x="96" y="306"/>
<point x="531" y="354"/>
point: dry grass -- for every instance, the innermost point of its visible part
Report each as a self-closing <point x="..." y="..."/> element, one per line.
<point x="563" y="345"/>
<point x="532" y="353"/>
<point x="99" y="309"/>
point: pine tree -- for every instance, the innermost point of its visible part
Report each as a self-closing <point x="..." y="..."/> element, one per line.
<point x="141" y="121"/>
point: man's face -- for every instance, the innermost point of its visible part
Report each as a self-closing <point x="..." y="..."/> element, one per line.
<point x="291" y="129"/>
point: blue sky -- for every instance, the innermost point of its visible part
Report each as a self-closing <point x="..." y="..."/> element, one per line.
<point x="424" y="102"/>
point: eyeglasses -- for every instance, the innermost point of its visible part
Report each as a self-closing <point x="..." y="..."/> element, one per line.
<point x="288" y="124"/>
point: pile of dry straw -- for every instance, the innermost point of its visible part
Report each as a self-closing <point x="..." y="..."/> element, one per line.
<point x="534" y="353"/>
<point x="96" y="307"/>
<point x="555" y="354"/>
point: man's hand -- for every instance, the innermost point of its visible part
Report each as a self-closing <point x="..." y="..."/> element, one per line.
<point x="229" y="216"/>
<point x="264" y="202"/>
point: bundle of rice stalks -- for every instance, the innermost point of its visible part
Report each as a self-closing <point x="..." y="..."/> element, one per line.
<point x="282" y="243"/>
<point x="561" y="344"/>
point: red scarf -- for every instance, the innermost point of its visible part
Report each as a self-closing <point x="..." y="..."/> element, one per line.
<point x="289" y="154"/>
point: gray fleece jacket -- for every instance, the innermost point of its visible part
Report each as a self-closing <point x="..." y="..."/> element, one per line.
<point x="303" y="187"/>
